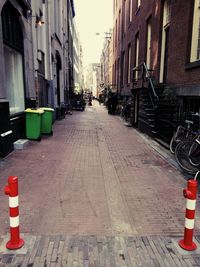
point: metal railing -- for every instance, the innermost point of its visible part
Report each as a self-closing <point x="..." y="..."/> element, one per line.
<point x="146" y="76"/>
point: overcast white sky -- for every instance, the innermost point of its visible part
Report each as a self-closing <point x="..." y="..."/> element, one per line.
<point x="93" y="16"/>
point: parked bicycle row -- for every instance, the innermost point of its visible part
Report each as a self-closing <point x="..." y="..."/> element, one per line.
<point x="185" y="144"/>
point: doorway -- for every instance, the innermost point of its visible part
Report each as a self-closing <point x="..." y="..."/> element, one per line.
<point x="58" y="68"/>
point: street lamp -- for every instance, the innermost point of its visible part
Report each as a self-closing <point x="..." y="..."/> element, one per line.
<point x="106" y="36"/>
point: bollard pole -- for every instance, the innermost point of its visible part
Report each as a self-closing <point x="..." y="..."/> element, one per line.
<point x="11" y="190"/>
<point x="190" y="194"/>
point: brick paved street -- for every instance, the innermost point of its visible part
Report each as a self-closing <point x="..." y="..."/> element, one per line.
<point x="96" y="194"/>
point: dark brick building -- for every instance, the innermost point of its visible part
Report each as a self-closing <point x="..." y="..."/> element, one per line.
<point x="165" y="35"/>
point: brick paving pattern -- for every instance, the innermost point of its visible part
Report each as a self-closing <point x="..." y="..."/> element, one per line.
<point x="95" y="194"/>
<point x="90" y="251"/>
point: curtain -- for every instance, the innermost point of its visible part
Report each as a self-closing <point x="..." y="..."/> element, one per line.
<point x="14" y="79"/>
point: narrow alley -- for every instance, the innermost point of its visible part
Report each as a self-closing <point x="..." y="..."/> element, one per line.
<point x="95" y="194"/>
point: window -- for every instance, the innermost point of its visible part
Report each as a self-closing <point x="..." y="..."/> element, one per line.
<point x="138" y="3"/>
<point x="12" y="33"/>
<point x="118" y="73"/>
<point x="129" y="64"/>
<point x="195" y="47"/>
<point x="165" y="40"/>
<point x="115" y="74"/>
<point x="119" y="26"/>
<point x="13" y="58"/>
<point x="130" y="10"/>
<point x="14" y="79"/>
<point x="168" y="11"/>
<point x="123" y="69"/>
<point x="58" y="17"/>
<point x="124" y="30"/>
<point x="122" y="24"/>
<point x="148" y="45"/>
<point x="136" y="55"/>
<point x="116" y="33"/>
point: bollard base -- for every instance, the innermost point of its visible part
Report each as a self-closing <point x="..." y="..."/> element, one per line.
<point x="12" y="246"/>
<point x="191" y="247"/>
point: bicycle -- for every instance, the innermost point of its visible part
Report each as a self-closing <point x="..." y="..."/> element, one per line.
<point x="182" y="133"/>
<point x="187" y="154"/>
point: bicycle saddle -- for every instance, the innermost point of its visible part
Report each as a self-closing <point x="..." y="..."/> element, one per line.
<point x="189" y="122"/>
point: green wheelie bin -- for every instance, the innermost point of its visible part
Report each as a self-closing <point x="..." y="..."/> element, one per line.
<point x="47" y="120"/>
<point x="33" y="123"/>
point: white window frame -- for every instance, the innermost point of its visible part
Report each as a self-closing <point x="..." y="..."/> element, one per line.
<point x="130" y="10"/>
<point x="125" y="18"/>
<point x="166" y="17"/>
<point x="124" y="68"/>
<point x="195" y="45"/>
<point x="148" y="53"/>
<point x="129" y="64"/>
<point x="137" y="43"/>
<point x="14" y="81"/>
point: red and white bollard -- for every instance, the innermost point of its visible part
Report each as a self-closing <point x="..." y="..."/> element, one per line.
<point x="190" y="194"/>
<point x="11" y="189"/>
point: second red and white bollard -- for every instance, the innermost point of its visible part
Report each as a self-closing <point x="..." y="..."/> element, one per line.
<point x="190" y="194"/>
<point x="11" y="190"/>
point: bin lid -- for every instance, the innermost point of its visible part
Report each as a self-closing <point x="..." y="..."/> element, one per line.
<point x="38" y="111"/>
<point x="47" y="109"/>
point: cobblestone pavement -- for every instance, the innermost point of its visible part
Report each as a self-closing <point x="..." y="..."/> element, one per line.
<point x="94" y="251"/>
<point x="96" y="194"/>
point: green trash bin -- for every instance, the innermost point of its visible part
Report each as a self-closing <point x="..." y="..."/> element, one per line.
<point x="33" y="123"/>
<point x="47" y="120"/>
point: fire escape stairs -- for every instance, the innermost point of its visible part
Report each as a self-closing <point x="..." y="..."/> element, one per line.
<point x="156" y="115"/>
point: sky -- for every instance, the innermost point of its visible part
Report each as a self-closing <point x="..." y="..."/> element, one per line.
<point x="93" y="16"/>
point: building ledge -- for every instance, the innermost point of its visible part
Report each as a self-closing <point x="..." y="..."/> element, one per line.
<point x="192" y="65"/>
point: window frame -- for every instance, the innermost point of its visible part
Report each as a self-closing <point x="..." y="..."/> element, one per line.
<point x="148" y="41"/>
<point x="137" y="52"/>
<point x="13" y="42"/>
<point x="129" y="64"/>
<point x="195" y="33"/>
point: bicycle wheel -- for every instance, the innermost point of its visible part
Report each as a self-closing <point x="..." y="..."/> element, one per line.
<point x="182" y="157"/>
<point x="173" y="143"/>
<point x="194" y="154"/>
<point x="179" y="136"/>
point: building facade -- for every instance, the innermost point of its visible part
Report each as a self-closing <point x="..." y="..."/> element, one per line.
<point x="17" y="86"/>
<point x="36" y="54"/>
<point x="106" y="61"/>
<point x="78" y="61"/>
<point x="92" y="79"/>
<point x="156" y="61"/>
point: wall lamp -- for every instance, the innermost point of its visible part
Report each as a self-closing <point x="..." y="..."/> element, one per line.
<point x="39" y="19"/>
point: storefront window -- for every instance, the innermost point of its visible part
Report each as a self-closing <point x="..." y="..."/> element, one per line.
<point x="195" y="48"/>
<point x="14" y="79"/>
<point x="13" y="57"/>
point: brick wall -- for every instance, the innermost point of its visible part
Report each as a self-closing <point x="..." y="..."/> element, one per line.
<point x="180" y="73"/>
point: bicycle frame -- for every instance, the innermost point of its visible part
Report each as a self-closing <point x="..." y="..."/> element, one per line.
<point x="181" y="130"/>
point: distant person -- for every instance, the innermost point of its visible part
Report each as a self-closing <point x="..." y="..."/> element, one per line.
<point x="100" y="99"/>
<point x="90" y="101"/>
<point x="109" y="105"/>
<point x="114" y="103"/>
